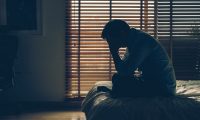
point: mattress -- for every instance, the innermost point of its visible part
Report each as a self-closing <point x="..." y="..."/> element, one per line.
<point x="99" y="105"/>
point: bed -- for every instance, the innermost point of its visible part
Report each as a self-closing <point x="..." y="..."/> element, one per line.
<point x="99" y="105"/>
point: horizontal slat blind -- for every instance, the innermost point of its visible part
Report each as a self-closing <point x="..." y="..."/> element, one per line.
<point x="181" y="18"/>
<point x="174" y="22"/>
<point x="163" y="23"/>
<point x="186" y="54"/>
<point x="89" y="53"/>
<point x="87" y="56"/>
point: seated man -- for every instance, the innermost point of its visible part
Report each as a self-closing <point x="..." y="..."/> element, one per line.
<point x="143" y="52"/>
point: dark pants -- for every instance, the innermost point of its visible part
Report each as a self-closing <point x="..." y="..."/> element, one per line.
<point x="127" y="86"/>
<point x="136" y="87"/>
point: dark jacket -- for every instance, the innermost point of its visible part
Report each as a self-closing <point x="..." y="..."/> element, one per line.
<point x="147" y="54"/>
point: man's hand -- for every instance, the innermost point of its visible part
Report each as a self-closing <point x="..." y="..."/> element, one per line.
<point x="113" y="48"/>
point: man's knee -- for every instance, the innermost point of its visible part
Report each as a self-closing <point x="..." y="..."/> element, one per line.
<point x="115" y="77"/>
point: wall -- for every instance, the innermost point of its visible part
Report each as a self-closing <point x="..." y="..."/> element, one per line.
<point x="40" y="63"/>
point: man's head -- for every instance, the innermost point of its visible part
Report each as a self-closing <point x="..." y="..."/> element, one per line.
<point x="115" y="32"/>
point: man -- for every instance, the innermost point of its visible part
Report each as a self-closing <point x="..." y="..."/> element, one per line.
<point x="143" y="52"/>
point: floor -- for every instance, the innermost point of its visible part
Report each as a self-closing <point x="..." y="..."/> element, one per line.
<point x="59" y="111"/>
<point x="46" y="115"/>
<point x="41" y="111"/>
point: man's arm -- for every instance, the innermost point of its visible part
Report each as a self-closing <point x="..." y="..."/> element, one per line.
<point x="117" y="61"/>
<point x="133" y="60"/>
<point x="122" y="66"/>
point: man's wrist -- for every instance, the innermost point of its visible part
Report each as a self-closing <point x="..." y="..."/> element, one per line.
<point x="116" y="57"/>
<point x="114" y="52"/>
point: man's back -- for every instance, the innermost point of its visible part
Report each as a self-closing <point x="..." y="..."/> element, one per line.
<point x="143" y="52"/>
<point x="157" y="70"/>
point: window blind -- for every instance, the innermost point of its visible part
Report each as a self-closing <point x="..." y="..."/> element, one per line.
<point x="178" y="30"/>
<point x="87" y="56"/>
<point x="186" y="53"/>
<point x="88" y="60"/>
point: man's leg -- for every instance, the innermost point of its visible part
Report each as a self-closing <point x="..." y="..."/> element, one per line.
<point x="118" y="89"/>
<point x="124" y="86"/>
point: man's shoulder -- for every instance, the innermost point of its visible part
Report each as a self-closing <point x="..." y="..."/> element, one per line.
<point x="141" y="36"/>
<point x="134" y="30"/>
<point x="140" y="33"/>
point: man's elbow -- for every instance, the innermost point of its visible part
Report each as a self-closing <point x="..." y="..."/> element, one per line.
<point x="124" y="72"/>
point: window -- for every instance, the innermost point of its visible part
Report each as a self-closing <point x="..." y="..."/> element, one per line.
<point x="2" y="12"/>
<point x="87" y="56"/>
<point x="178" y="25"/>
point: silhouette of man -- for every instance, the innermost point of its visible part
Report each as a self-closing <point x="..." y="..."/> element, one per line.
<point x="143" y="52"/>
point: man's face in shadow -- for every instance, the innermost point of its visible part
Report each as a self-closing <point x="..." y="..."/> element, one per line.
<point x="117" y="41"/>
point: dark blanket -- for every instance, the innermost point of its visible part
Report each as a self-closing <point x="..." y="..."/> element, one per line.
<point x="99" y="105"/>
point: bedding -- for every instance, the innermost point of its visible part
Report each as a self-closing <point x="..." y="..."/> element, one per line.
<point x="99" y="105"/>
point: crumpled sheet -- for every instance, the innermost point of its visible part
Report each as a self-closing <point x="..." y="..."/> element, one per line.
<point x="189" y="88"/>
<point x="99" y="105"/>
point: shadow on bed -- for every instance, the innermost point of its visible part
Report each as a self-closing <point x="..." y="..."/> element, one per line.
<point x="99" y="105"/>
